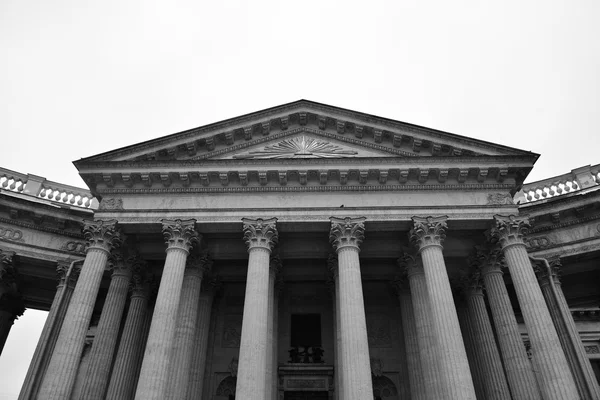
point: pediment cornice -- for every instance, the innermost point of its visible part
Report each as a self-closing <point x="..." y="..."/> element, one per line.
<point x="393" y="137"/>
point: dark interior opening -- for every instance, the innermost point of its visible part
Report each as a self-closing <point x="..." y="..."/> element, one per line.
<point x="306" y="330"/>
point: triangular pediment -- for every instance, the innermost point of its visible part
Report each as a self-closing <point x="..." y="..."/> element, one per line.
<point x="368" y="135"/>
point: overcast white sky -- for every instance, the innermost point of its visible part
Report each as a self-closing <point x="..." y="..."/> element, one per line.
<point x="79" y="78"/>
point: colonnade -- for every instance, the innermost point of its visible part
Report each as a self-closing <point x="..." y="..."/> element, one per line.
<point x="173" y="355"/>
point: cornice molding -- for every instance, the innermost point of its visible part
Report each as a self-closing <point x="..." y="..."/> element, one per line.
<point x="22" y="224"/>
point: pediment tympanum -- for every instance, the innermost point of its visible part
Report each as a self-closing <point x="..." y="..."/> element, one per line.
<point x="305" y="146"/>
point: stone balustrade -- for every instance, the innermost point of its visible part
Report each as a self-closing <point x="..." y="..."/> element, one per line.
<point x="42" y="188"/>
<point x="577" y="179"/>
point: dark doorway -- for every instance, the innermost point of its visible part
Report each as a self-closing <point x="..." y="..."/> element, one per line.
<point x="306" y="396"/>
<point x="306" y="330"/>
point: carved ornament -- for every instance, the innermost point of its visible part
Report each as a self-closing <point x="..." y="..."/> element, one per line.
<point x="428" y="231"/>
<point x="500" y="199"/>
<point x="347" y="232"/>
<point x="180" y="234"/>
<point x="198" y="264"/>
<point x="509" y="230"/>
<point x="74" y="247"/>
<point x="260" y="233"/>
<point x="410" y="264"/>
<point x="299" y="147"/>
<point x="111" y="204"/>
<point x="102" y="235"/>
<point x="488" y="259"/>
<point x="119" y="265"/>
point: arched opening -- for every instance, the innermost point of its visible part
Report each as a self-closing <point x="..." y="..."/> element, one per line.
<point x="226" y="389"/>
<point x="384" y="388"/>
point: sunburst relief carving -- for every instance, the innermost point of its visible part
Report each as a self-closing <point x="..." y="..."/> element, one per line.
<point x="300" y="147"/>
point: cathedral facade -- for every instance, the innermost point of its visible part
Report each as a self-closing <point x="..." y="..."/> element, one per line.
<point x="306" y="252"/>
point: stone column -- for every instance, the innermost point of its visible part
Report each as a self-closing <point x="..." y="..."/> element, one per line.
<point x="105" y="341"/>
<point x="519" y="374"/>
<point x="49" y="335"/>
<point x="101" y="237"/>
<point x="581" y="368"/>
<point x="495" y="385"/>
<point x="557" y="380"/>
<point x="427" y="235"/>
<point x="200" y="346"/>
<point x="466" y="326"/>
<point x="332" y="263"/>
<point x="346" y="236"/>
<point x="276" y="296"/>
<point x="124" y="376"/>
<point x="181" y="357"/>
<point x="271" y="371"/>
<point x="11" y="307"/>
<point x="180" y="237"/>
<point x="260" y="237"/>
<point x="426" y="339"/>
<point x="409" y="328"/>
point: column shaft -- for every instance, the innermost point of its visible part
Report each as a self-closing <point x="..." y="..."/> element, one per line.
<point x="124" y="376"/>
<point x="103" y="347"/>
<point x="200" y="347"/>
<point x="270" y="345"/>
<point x="519" y="374"/>
<point x="557" y="379"/>
<point x="251" y="382"/>
<point x="426" y="339"/>
<point x="154" y="373"/>
<point x="494" y="381"/>
<point x="453" y="357"/>
<point x="45" y="346"/>
<point x="568" y="335"/>
<point x="409" y="328"/>
<point x="475" y="359"/>
<point x="339" y="370"/>
<point x="353" y="328"/>
<point x="62" y="370"/>
<point x="187" y="318"/>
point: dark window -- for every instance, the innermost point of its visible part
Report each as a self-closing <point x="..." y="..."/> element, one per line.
<point x="306" y="330"/>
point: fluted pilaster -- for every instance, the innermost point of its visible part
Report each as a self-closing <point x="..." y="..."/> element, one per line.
<point x="124" y="374"/>
<point x="581" y="368"/>
<point x="67" y="276"/>
<point x="426" y="337"/>
<point x="519" y="374"/>
<point x="260" y="237"/>
<point x="103" y="347"/>
<point x="199" y="349"/>
<point x="101" y="237"/>
<point x="494" y="382"/>
<point x="180" y="237"/>
<point x="181" y="357"/>
<point x="409" y="329"/>
<point x="427" y="235"/>
<point x="557" y="380"/>
<point x="346" y="236"/>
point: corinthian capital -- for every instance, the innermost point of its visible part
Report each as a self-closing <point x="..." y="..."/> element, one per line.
<point x="102" y="235"/>
<point x="118" y="264"/>
<point x="180" y="234"/>
<point x="428" y="231"/>
<point x="409" y="264"/>
<point x="509" y="230"/>
<point x="6" y="262"/>
<point x="487" y="259"/>
<point x="260" y="233"/>
<point x="62" y="270"/>
<point x="543" y="275"/>
<point x="347" y="232"/>
<point x="332" y="264"/>
<point x="198" y="264"/>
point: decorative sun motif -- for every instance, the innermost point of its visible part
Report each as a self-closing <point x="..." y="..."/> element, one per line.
<point x="300" y="147"/>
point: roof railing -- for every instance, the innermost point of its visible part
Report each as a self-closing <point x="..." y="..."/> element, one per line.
<point x="42" y="188"/>
<point x="579" y="178"/>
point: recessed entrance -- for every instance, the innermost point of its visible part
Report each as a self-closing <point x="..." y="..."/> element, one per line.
<point x="306" y="396"/>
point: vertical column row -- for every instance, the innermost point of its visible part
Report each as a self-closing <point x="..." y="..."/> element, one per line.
<point x="557" y="380"/>
<point x="101" y="237"/>
<point x="180" y="237"/>
<point x="260" y="237"/>
<point x="346" y="236"/>
<point x="428" y="235"/>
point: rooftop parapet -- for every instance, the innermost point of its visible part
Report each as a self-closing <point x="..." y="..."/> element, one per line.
<point x="578" y="179"/>
<point x="42" y="188"/>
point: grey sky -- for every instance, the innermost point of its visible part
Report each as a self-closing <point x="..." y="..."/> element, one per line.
<point x="80" y="78"/>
